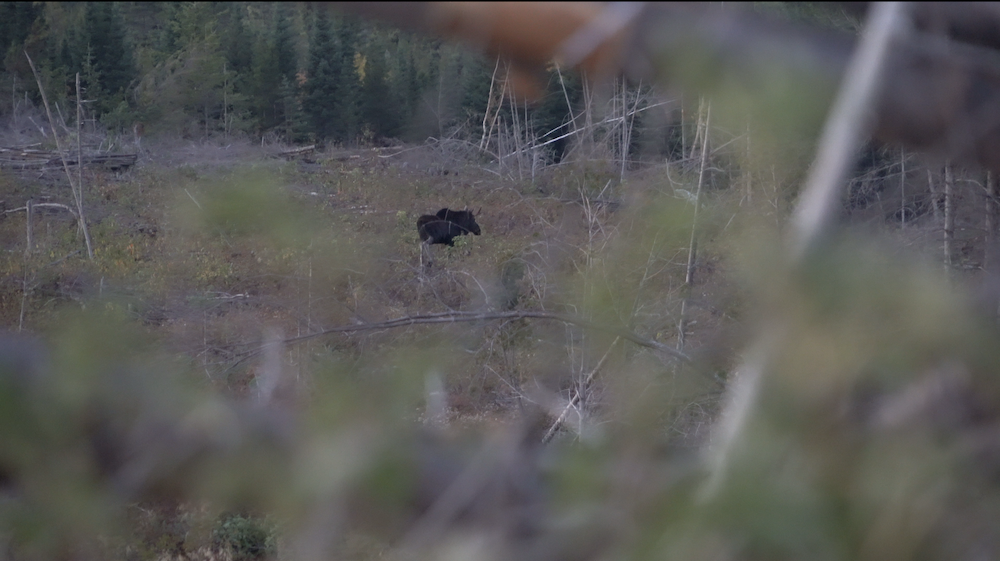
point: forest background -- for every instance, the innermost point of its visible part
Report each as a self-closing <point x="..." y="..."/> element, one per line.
<point x="285" y="70"/>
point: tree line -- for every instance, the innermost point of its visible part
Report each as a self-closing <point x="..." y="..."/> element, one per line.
<point x="295" y="71"/>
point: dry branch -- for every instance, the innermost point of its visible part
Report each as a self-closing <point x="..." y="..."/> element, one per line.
<point x="578" y="394"/>
<point x="462" y="317"/>
<point x="459" y="317"/>
<point x="292" y="153"/>
<point x="42" y="205"/>
<point x="20" y="158"/>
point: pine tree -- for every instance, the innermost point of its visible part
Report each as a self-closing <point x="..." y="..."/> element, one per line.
<point x="296" y="126"/>
<point x="284" y="42"/>
<point x="379" y="105"/>
<point x="320" y="87"/>
<point x="16" y="21"/>
<point x="169" y="37"/>
<point x="266" y="83"/>
<point x="476" y="91"/>
<point x="112" y="55"/>
<point x="191" y="85"/>
<point x="346" y="86"/>
<point x="236" y="39"/>
<point x="274" y="62"/>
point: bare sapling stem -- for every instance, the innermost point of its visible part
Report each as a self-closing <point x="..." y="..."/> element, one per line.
<point x="30" y="215"/>
<point x="949" y="214"/>
<point x="77" y="189"/>
<point x="79" y="160"/>
<point x="991" y="262"/>
<point x="902" y="188"/>
<point x="578" y="394"/>
<point x="693" y="245"/>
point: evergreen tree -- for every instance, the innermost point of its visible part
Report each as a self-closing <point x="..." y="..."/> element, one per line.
<point x="237" y="39"/>
<point x="169" y="38"/>
<point x="296" y="127"/>
<point x="476" y="91"/>
<point x="404" y="80"/>
<point x="552" y="111"/>
<point x="320" y="88"/>
<point x="275" y="62"/>
<point x="266" y="84"/>
<point x="16" y="21"/>
<point x="190" y="88"/>
<point x="347" y="88"/>
<point x="284" y="42"/>
<point x="379" y="105"/>
<point x="112" y="55"/>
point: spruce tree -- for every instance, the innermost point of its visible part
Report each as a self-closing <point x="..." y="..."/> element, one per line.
<point x="112" y="56"/>
<point x="320" y="86"/>
<point x="16" y="21"/>
<point x="476" y="91"/>
<point x="284" y="42"/>
<point x="169" y="36"/>
<point x="379" y="105"/>
<point x="346" y="86"/>
<point x="296" y="126"/>
<point x="236" y="39"/>
<point x="266" y="85"/>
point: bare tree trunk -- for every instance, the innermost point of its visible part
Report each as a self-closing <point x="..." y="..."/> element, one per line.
<point x="30" y="212"/>
<point x="76" y="189"/>
<point x="991" y="257"/>
<point x="749" y="171"/>
<point x="683" y="132"/>
<point x="578" y="394"/>
<point x="569" y="106"/>
<point x="627" y="128"/>
<point x="935" y="197"/>
<point x="902" y="187"/>
<point x="79" y="153"/>
<point x="225" y="107"/>
<point x="698" y="129"/>
<point x="693" y="245"/>
<point x="992" y="216"/>
<point x="488" y="123"/>
<point x="949" y="213"/>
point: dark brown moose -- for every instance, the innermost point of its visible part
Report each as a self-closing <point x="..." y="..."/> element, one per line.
<point x="445" y="225"/>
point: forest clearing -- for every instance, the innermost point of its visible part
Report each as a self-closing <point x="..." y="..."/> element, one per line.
<point x="282" y="283"/>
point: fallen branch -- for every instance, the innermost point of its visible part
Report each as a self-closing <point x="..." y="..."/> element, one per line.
<point x="460" y="317"/>
<point x="292" y="152"/>
<point x="578" y="395"/>
<point x="43" y="205"/>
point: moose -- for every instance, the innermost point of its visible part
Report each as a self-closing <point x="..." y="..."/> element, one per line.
<point x="445" y="225"/>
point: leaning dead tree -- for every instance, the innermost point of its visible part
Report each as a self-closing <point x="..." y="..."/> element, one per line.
<point x="75" y="186"/>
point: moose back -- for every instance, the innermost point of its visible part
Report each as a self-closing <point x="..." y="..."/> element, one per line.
<point x="445" y="225"/>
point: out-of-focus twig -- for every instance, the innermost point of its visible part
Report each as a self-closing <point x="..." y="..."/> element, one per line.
<point x="843" y="134"/>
